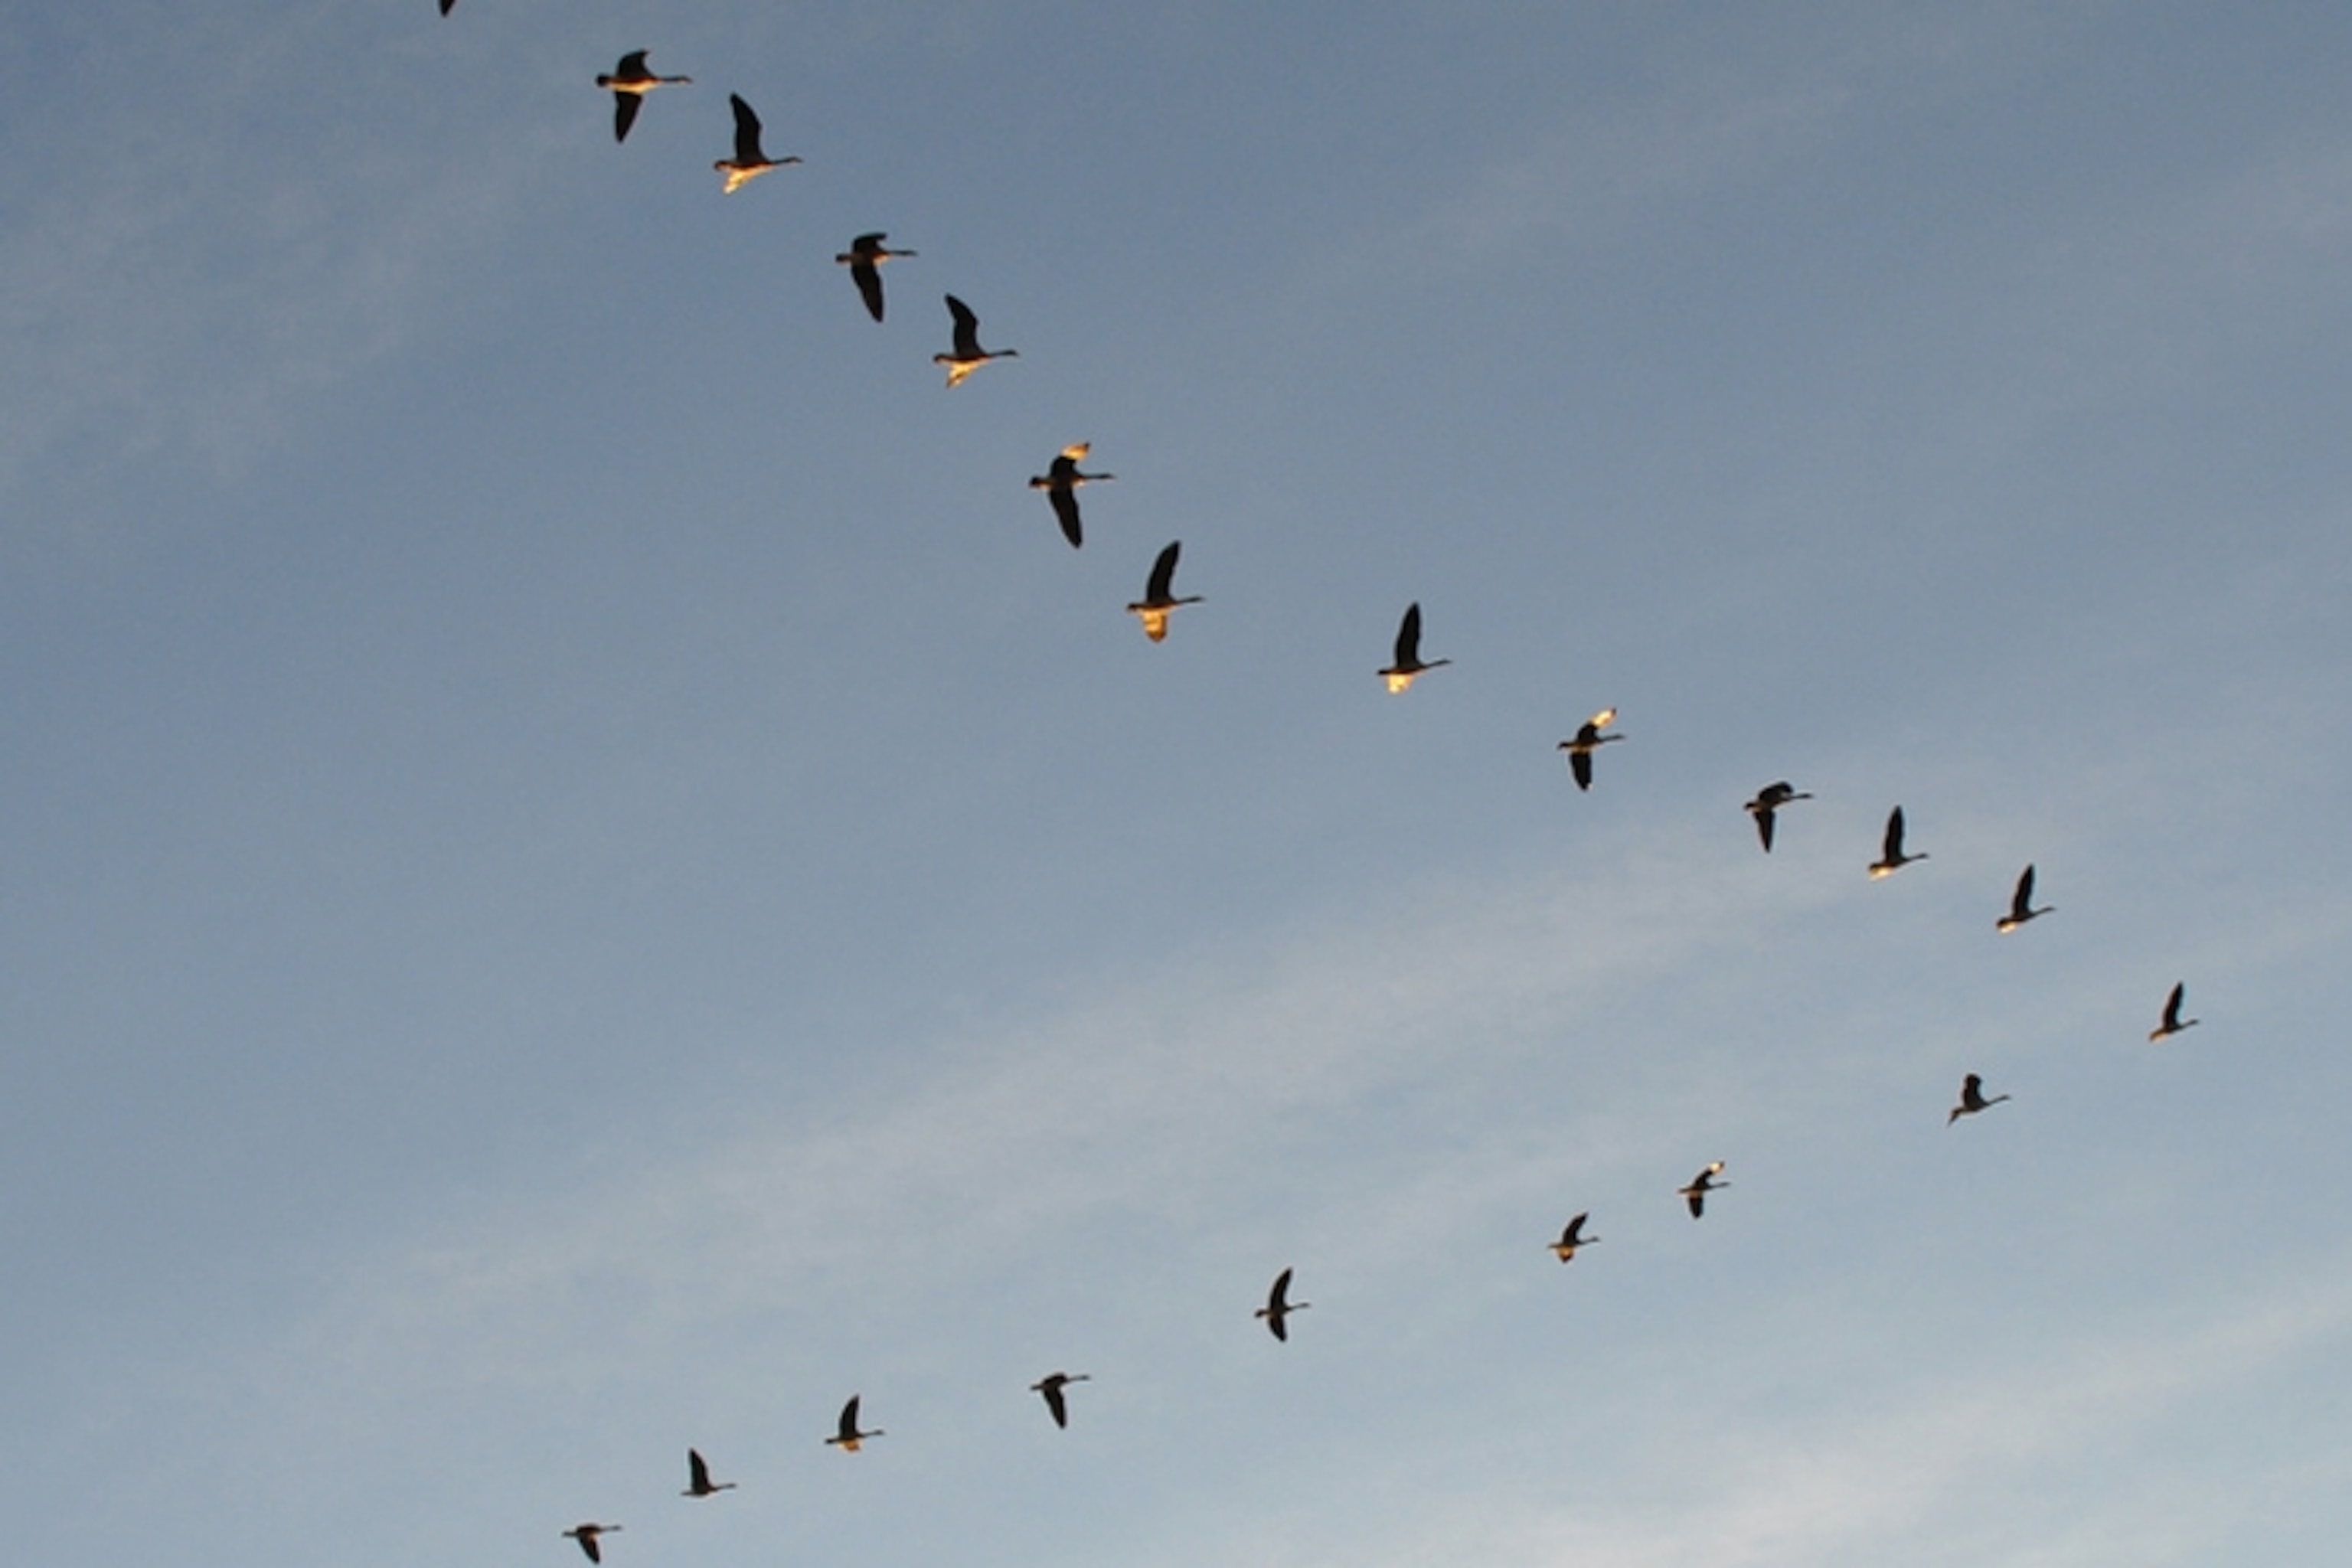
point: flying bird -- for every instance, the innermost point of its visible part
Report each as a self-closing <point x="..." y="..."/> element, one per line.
<point x="1408" y="651"/>
<point x="1051" y="1386"/>
<point x="1588" y="740"/>
<point x="587" y="1534"/>
<point x="1060" y="483"/>
<point x="1573" y="1238"/>
<point x="1701" y="1184"/>
<point x="1768" y="800"/>
<point x="1891" y="858"/>
<point x="968" y="355"/>
<point x="1279" y="1306"/>
<point x="628" y="84"/>
<point x="864" y="259"/>
<point x="749" y="163"/>
<point x="847" y="1438"/>
<point x="2020" y="904"/>
<point x="698" y="1478"/>
<point x="1973" y="1098"/>
<point x="2173" y="1022"/>
<point x="1159" y="601"/>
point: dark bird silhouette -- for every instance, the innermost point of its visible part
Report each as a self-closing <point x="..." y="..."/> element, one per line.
<point x="1701" y="1184"/>
<point x="749" y="163"/>
<point x="698" y="1478"/>
<point x="1051" y="1386"/>
<point x="1159" y="601"/>
<point x="1588" y="740"/>
<point x="1768" y="800"/>
<point x="1573" y="1238"/>
<point x="1973" y="1098"/>
<point x="1060" y="481"/>
<point x="1891" y="858"/>
<point x="2020" y="904"/>
<point x="848" y="1437"/>
<point x="1409" y="662"/>
<point x="864" y="259"/>
<point x="2173" y="1022"/>
<point x="587" y="1534"/>
<point x="968" y="355"/>
<point x="1279" y="1306"/>
<point x="628" y="83"/>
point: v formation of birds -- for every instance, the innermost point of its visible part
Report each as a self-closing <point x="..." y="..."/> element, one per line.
<point x="630" y="81"/>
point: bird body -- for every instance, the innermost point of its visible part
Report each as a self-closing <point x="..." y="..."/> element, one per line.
<point x="1050" y="1387"/>
<point x="1767" y="805"/>
<point x="1587" y="740"/>
<point x="967" y="355"/>
<point x="1973" y="1098"/>
<point x="1159" y="601"/>
<point x="698" y="1478"/>
<point x="628" y="83"/>
<point x="1060" y="481"/>
<point x="2173" y="1022"/>
<point x="1891" y="858"/>
<point x="1700" y="1185"/>
<point x="1279" y="1306"/>
<point x="1409" y="662"/>
<point x="749" y="163"/>
<point x="1573" y="1238"/>
<point x="864" y="259"/>
<point x="2020" y="904"/>
<point x="847" y="1437"/>
<point x="587" y="1534"/>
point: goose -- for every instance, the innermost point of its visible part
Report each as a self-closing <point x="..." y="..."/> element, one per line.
<point x="1891" y="858"/>
<point x="1573" y="1238"/>
<point x="1588" y="739"/>
<point x="1973" y="1098"/>
<point x="587" y="1534"/>
<point x="749" y="163"/>
<point x="1159" y="601"/>
<point x="1060" y="483"/>
<point x="1051" y="1386"/>
<point x="864" y="259"/>
<point x="1701" y="1184"/>
<point x="628" y="84"/>
<point x="2020" y="904"/>
<point x="698" y="1478"/>
<point x="1408" y="651"/>
<point x="847" y="1438"/>
<point x="1768" y="800"/>
<point x="2173" y="1022"/>
<point x="968" y="355"/>
<point x="1279" y="1306"/>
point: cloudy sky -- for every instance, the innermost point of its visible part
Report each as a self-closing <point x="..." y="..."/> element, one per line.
<point x="585" y="872"/>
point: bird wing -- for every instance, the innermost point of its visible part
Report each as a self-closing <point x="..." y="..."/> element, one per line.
<point x="1571" y="1236"/>
<point x="867" y="244"/>
<point x="1892" y="850"/>
<point x="967" y="329"/>
<point x="698" y="1474"/>
<point x="868" y="279"/>
<point x="445" y="4"/>
<point x="1066" y="511"/>
<point x="746" y="131"/>
<point x="1055" y="1403"/>
<point x="2172" y="1005"/>
<point x="1408" y="638"/>
<point x="624" y="111"/>
<point x="1763" y="810"/>
<point x="1580" y="764"/>
<point x="587" y="1539"/>
<point x="1161" y="588"/>
<point x="2023" y="896"/>
<point x="1277" y="1300"/>
<point x="633" y="66"/>
<point x="849" y="1416"/>
<point x="1696" y="1198"/>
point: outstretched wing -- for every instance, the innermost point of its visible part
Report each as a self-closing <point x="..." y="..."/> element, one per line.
<point x="746" y="131"/>
<point x="868" y="279"/>
<point x="1764" y="814"/>
<point x="1162" y="585"/>
<point x="1055" y="1403"/>
<point x="1408" y="638"/>
<point x="1066" y="511"/>
<point x="967" y="329"/>
<point x="848" y="1432"/>
<point x="624" y="110"/>
<point x="1892" y="850"/>
<point x="1579" y="763"/>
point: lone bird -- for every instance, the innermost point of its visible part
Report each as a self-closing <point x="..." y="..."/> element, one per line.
<point x="968" y="355"/>
<point x="1060" y="483"/>
<point x="749" y="163"/>
<point x="1408" y="651"/>
<point x="628" y="84"/>
<point x="1701" y="1184"/>
<point x="2173" y="1022"/>
<point x="1768" y="800"/>
<point x="2020" y="904"/>
<point x="1573" y="1238"/>
<point x="1051" y="1386"/>
<point x="1973" y="1098"/>
<point x="864" y="259"/>
<point x="1279" y="1306"/>
<point x="698" y="1478"/>
<point x="587" y="1534"/>
<point x="847" y="1438"/>
<point x="1159" y="601"/>
<point x="1891" y="858"/>
<point x="1588" y="740"/>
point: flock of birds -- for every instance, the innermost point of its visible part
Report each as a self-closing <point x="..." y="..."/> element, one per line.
<point x="629" y="82"/>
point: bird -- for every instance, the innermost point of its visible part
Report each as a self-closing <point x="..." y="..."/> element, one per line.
<point x="1159" y="601"/>
<point x="1408" y="651"/>
<point x="2173" y="1022"/>
<point x="1279" y="1306"/>
<point x="1573" y="1238"/>
<point x="1891" y="858"/>
<point x="1060" y="481"/>
<point x="587" y="1534"/>
<point x="1973" y="1098"/>
<point x="968" y="355"/>
<point x="1588" y="739"/>
<point x="1770" y="799"/>
<point x="847" y="1438"/>
<point x="1701" y="1184"/>
<point x="628" y="84"/>
<point x="698" y="1478"/>
<point x="1051" y="1386"/>
<point x="2020" y="903"/>
<point x="749" y="163"/>
<point x="864" y="259"/>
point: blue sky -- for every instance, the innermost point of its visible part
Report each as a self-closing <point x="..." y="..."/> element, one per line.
<point x="587" y="873"/>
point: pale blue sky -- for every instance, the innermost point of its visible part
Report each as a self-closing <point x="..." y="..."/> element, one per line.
<point x="585" y="872"/>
